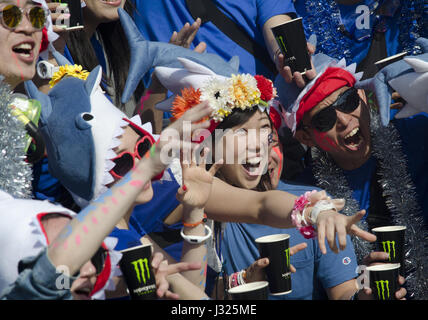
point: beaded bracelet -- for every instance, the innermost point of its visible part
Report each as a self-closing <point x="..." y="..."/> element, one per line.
<point x="298" y="215"/>
<point x="237" y="279"/>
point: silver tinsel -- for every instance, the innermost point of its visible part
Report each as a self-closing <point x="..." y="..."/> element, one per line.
<point x="15" y="173"/>
<point x="399" y="191"/>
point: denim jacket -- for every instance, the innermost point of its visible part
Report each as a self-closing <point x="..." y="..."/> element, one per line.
<point x="37" y="280"/>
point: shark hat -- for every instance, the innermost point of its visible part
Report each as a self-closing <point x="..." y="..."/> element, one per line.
<point x="408" y="77"/>
<point x="148" y="54"/>
<point x="331" y="75"/>
<point x="81" y="128"/>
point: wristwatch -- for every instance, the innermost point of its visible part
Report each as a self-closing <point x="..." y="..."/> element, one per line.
<point x="196" y="239"/>
<point x="45" y="70"/>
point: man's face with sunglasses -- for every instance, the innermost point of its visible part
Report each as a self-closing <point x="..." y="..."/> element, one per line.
<point x="339" y="125"/>
<point x="20" y="37"/>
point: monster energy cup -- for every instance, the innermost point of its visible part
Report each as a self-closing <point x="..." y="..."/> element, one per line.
<point x="276" y="248"/>
<point x="384" y="280"/>
<point x="390" y="239"/>
<point x="291" y="40"/>
<point x="137" y="271"/>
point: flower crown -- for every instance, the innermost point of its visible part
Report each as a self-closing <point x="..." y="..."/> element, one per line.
<point x="241" y="91"/>
<point x="68" y="70"/>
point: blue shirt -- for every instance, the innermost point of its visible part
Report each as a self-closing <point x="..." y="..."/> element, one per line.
<point x="315" y="271"/>
<point x="157" y="20"/>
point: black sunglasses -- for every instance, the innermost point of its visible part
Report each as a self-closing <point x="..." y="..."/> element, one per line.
<point x="346" y="102"/>
<point x="99" y="260"/>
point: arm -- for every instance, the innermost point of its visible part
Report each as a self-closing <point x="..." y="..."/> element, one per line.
<point x="81" y="238"/>
<point x="196" y="189"/>
<point x="274" y="208"/>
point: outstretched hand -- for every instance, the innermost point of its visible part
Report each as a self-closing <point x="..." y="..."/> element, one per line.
<point x="331" y="222"/>
<point x="176" y="137"/>
<point x="197" y="182"/>
<point x="162" y="270"/>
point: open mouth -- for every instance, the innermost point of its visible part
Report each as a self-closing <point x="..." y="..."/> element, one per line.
<point x="253" y="166"/>
<point x="24" y="51"/>
<point x="83" y="293"/>
<point x="353" y="139"/>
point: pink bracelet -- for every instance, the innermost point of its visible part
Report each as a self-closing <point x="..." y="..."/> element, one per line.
<point x="298" y="215"/>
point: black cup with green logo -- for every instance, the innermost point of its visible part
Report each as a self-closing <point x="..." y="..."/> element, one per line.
<point x="276" y="248"/>
<point x="137" y="271"/>
<point x="291" y="39"/>
<point x="384" y="280"/>
<point x="258" y="290"/>
<point x="390" y="239"/>
<point x="75" y="10"/>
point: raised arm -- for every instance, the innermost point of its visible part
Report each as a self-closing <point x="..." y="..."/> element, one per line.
<point x="81" y="238"/>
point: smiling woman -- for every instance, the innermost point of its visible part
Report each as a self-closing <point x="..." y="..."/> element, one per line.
<point x="20" y="36"/>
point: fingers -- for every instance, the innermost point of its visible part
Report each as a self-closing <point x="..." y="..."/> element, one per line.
<point x="183" y="266"/>
<point x="401" y="280"/>
<point x="375" y="256"/>
<point x="157" y="259"/>
<point x="321" y="236"/>
<point x="311" y="48"/>
<point x="356" y="217"/>
<point x="339" y="203"/>
<point x="298" y="247"/>
<point x="196" y="113"/>
<point x="186" y="35"/>
<point x="331" y="235"/>
<point x="400" y="294"/>
<point x="201" y="47"/>
<point x="362" y="234"/>
<point x="215" y="167"/>
<point x="341" y="235"/>
<point x="356" y="230"/>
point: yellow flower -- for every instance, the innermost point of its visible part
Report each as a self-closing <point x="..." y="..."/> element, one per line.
<point x="67" y="70"/>
<point x="244" y="91"/>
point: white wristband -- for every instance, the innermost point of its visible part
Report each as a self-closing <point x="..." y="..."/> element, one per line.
<point x="321" y="205"/>
<point x="196" y="239"/>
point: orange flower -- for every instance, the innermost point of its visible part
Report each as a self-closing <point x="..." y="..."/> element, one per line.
<point x="188" y="99"/>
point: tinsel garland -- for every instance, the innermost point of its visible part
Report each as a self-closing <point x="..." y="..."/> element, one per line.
<point x="399" y="191"/>
<point x="323" y="19"/>
<point x="15" y="173"/>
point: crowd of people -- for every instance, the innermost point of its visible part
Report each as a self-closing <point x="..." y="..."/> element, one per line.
<point x="157" y="127"/>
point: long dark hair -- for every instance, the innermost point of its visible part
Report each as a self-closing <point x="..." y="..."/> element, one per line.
<point x="236" y="118"/>
<point x="116" y="50"/>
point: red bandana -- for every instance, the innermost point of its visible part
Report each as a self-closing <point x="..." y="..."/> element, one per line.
<point x="331" y="80"/>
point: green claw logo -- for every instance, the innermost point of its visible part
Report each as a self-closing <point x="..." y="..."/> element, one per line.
<point x="287" y="257"/>
<point x="141" y="267"/>
<point x="281" y="43"/>
<point x="387" y="245"/>
<point x="381" y="286"/>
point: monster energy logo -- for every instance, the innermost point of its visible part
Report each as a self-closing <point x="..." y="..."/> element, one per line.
<point x="141" y="267"/>
<point x="281" y="42"/>
<point x="380" y="286"/>
<point x="287" y="257"/>
<point x="387" y="247"/>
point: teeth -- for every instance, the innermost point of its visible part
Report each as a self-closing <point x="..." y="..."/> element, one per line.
<point x="24" y="46"/>
<point x="352" y="133"/>
<point x="254" y="161"/>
